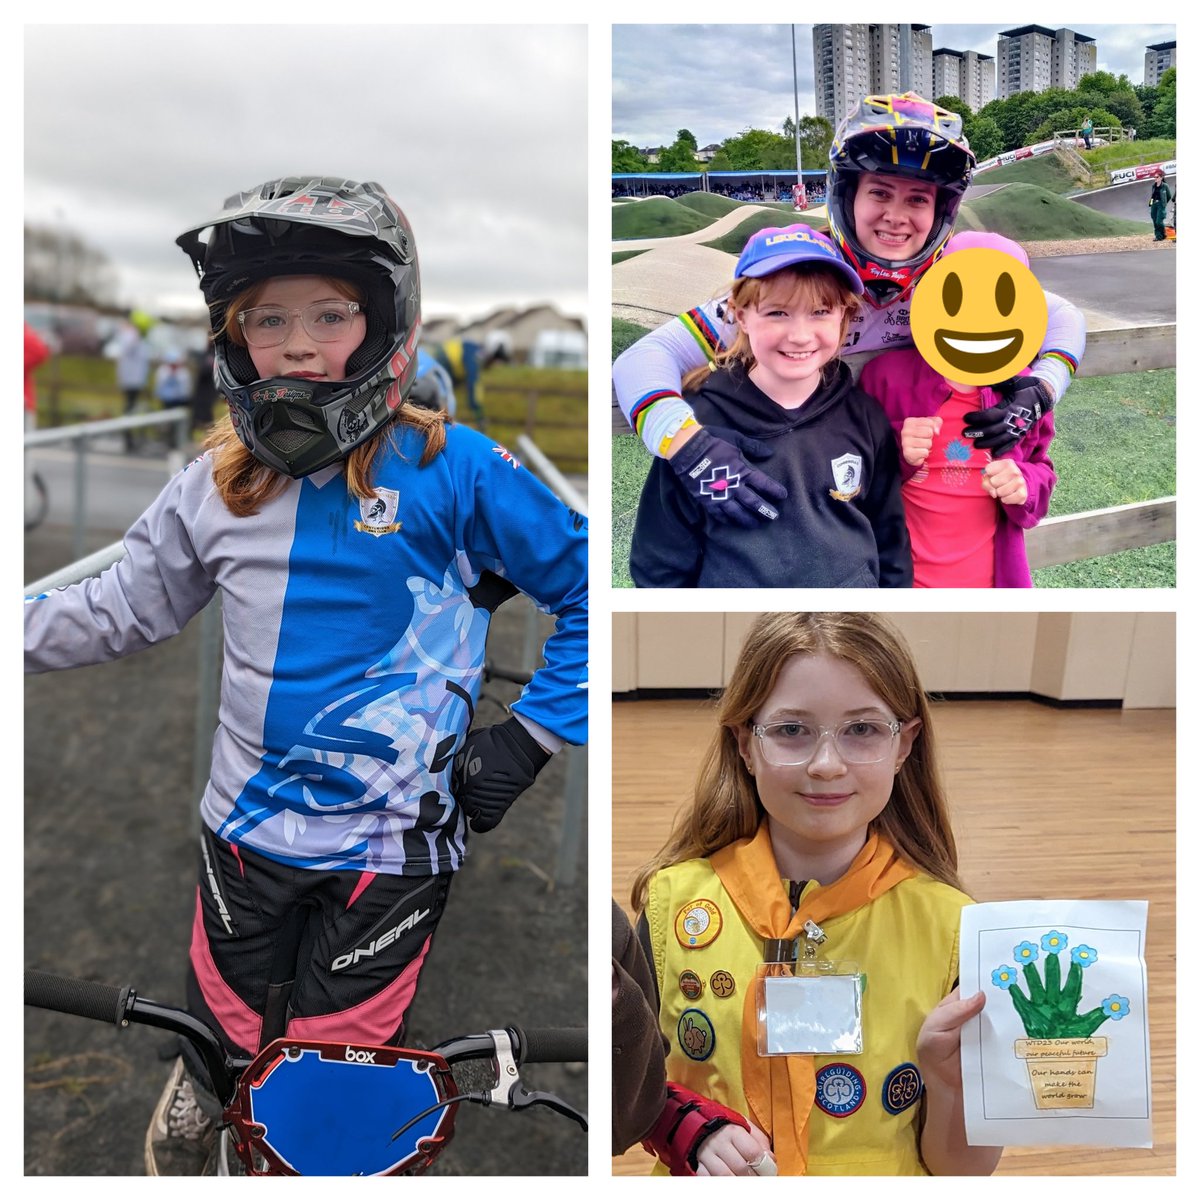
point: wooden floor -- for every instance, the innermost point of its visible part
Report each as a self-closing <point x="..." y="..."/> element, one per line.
<point x="1046" y="803"/>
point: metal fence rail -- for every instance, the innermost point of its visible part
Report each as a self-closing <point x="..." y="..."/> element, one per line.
<point x="177" y="423"/>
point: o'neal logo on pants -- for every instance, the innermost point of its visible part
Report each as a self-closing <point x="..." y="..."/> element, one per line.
<point x="382" y="942"/>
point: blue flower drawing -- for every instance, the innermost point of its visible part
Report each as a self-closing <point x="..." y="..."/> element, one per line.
<point x="1083" y="956"/>
<point x="1004" y="977"/>
<point x="1054" y="941"/>
<point x="1025" y="952"/>
<point x="1115" y="1007"/>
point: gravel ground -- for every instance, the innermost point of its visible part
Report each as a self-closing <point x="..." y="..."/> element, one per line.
<point x="110" y="882"/>
<point x="1095" y="246"/>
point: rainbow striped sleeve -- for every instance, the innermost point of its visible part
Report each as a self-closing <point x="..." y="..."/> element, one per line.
<point x="701" y="328"/>
<point x="1061" y="356"/>
<point x="641" y="408"/>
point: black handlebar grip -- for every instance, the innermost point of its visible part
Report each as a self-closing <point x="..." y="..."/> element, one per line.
<point x="80" y="997"/>
<point x="553" y="1045"/>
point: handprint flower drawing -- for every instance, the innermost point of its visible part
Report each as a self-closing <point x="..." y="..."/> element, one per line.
<point x="1061" y="1051"/>
<point x="1050" y="1010"/>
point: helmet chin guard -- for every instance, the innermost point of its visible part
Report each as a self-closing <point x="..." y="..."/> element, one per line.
<point x="911" y="138"/>
<point x="313" y="225"/>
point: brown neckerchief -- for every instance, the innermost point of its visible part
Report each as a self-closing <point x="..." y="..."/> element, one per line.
<point x="780" y="1091"/>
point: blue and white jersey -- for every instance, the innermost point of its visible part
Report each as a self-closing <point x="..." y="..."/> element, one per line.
<point x="353" y="646"/>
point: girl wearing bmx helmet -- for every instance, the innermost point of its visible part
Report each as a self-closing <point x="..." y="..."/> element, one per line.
<point x="360" y="545"/>
<point x="898" y="169"/>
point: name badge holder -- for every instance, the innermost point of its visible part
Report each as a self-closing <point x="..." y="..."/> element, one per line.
<point x="806" y="1003"/>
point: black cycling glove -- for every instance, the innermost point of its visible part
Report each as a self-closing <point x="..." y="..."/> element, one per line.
<point x="493" y="767"/>
<point x="1024" y="401"/>
<point x="714" y="472"/>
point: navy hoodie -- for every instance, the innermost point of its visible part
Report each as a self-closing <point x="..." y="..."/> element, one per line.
<point x="842" y="524"/>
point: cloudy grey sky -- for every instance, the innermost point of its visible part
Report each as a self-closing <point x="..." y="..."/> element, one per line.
<point x="717" y="80"/>
<point x="135" y="132"/>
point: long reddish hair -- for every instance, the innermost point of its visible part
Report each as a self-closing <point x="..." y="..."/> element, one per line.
<point x="725" y="806"/>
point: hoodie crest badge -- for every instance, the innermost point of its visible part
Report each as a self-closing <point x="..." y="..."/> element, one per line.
<point x="379" y="513"/>
<point x="847" y="476"/>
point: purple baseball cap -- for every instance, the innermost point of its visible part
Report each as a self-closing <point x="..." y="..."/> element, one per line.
<point x="771" y="250"/>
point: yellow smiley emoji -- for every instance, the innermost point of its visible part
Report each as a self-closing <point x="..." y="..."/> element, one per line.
<point x="979" y="313"/>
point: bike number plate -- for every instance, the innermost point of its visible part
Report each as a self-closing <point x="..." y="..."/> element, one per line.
<point x="319" y="1108"/>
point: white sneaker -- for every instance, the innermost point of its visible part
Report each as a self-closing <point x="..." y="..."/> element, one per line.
<point x="181" y="1135"/>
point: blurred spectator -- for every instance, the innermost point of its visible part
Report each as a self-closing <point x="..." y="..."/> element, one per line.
<point x="204" y="391"/>
<point x="465" y="362"/>
<point x="173" y="381"/>
<point x="133" y="362"/>
<point x="36" y="353"/>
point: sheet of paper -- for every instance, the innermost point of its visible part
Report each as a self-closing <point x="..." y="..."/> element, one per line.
<point x="1060" y="1054"/>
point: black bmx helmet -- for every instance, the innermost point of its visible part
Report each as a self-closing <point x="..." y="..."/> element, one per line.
<point x="906" y="136"/>
<point x="313" y="225"/>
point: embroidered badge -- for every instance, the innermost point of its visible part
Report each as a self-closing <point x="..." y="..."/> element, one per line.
<point x="902" y="1088"/>
<point x="691" y="985"/>
<point x="847" y="476"/>
<point x="379" y="513"/>
<point x="697" y="1038"/>
<point x="840" y="1089"/>
<point x="697" y="924"/>
<point x="722" y="984"/>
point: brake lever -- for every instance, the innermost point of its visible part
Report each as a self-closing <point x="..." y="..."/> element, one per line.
<point x="511" y="1092"/>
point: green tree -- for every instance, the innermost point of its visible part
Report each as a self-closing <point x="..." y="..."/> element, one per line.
<point x="985" y="137"/>
<point x="626" y="158"/>
<point x="680" y="156"/>
<point x="955" y="104"/>
<point x="1072" y="119"/>
<point x="816" y="136"/>
<point x="688" y="138"/>
<point x="758" y="150"/>
<point x="1161" y="122"/>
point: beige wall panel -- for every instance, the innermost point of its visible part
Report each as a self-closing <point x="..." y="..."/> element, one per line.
<point x="624" y="652"/>
<point x="1066" y="656"/>
<point x="736" y="627"/>
<point x="1151" y="679"/>
<point x="1050" y="654"/>
<point x="933" y="638"/>
<point x="1083" y="656"/>
<point x="680" y="650"/>
<point x="971" y="652"/>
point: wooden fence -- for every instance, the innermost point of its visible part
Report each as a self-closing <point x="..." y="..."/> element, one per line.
<point x="1078" y="536"/>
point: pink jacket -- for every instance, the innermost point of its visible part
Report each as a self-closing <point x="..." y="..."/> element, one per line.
<point x="907" y="386"/>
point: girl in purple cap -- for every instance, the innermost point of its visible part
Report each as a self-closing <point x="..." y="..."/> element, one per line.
<point x="967" y="508"/>
<point x="780" y="391"/>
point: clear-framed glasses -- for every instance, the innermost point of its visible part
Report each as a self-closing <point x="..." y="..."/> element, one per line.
<point x="793" y="743"/>
<point x="325" y="321"/>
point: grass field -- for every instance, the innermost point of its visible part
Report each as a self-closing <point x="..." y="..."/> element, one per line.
<point x="1129" y="154"/>
<point x="1032" y="214"/>
<point x="654" y="218"/>
<point x="708" y="204"/>
<point x="1047" y="171"/>
<point x="88" y="392"/>
<point x="736" y="239"/>
<point x="1114" y="444"/>
<point x="622" y="255"/>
